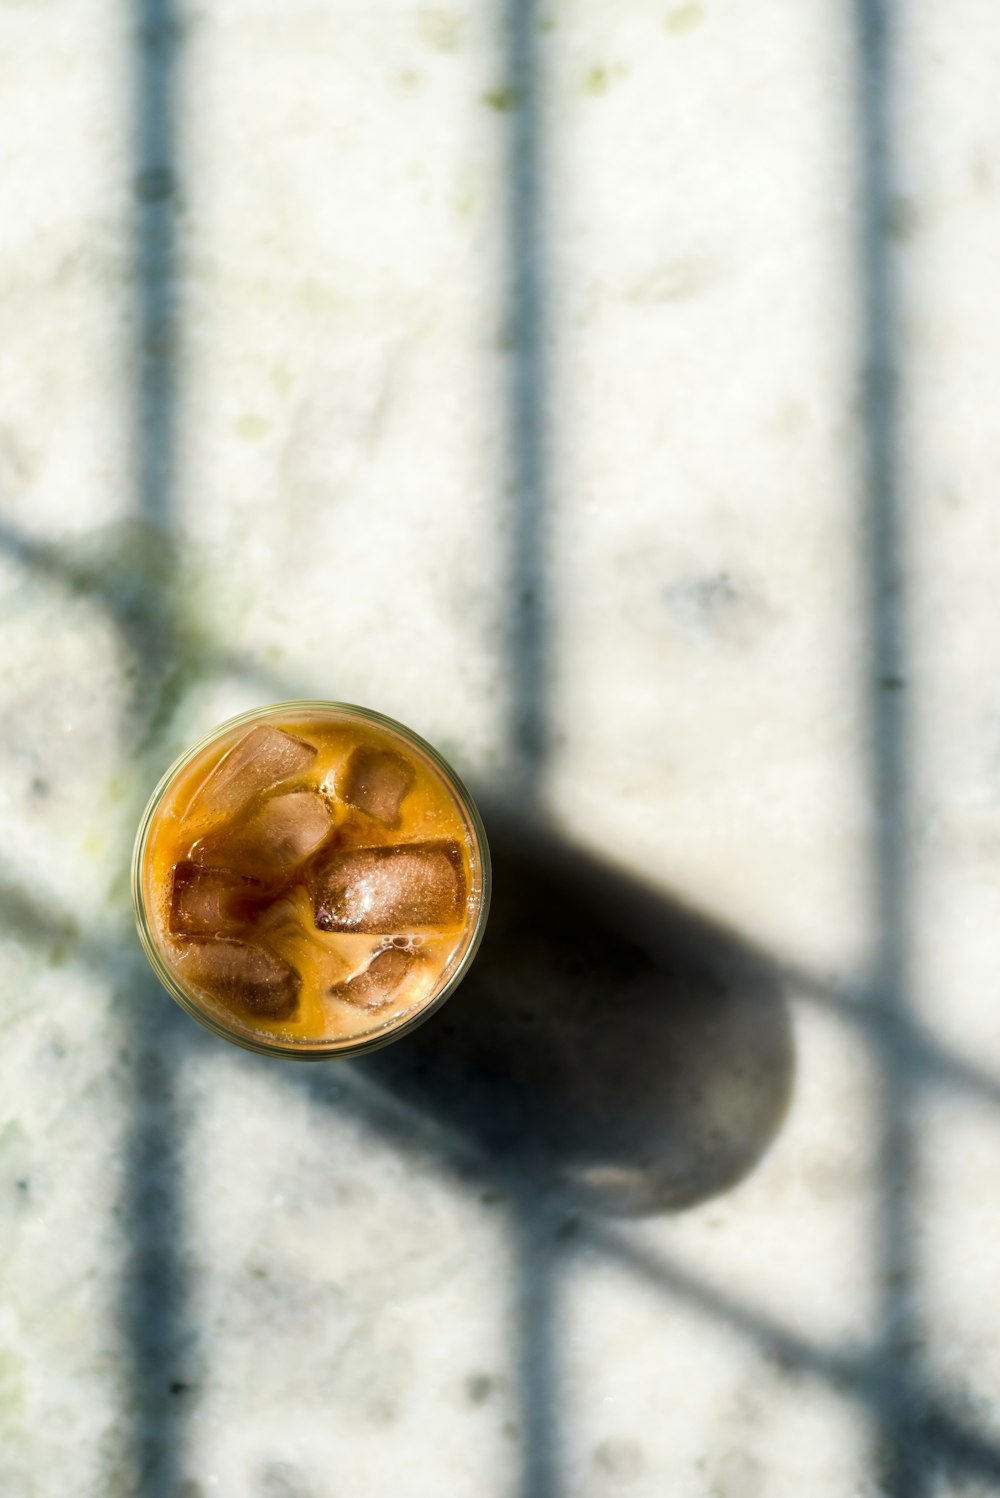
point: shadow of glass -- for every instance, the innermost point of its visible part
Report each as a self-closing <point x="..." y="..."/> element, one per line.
<point x="608" y="1042"/>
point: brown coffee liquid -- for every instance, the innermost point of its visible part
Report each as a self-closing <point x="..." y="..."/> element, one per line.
<point x="311" y="879"/>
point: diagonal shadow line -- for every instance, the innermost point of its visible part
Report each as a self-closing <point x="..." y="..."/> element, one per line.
<point x="136" y="610"/>
<point x="415" y="1133"/>
<point x="855" y="1372"/>
<point x="37" y="923"/>
<point x="905" y="1041"/>
<point x="862" y="1374"/>
<point x="858" y="1004"/>
<point x="52" y="929"/>
<point x="45" y="924"/>
<point x="132" y="594"/>
<point x="902" y="1451"/>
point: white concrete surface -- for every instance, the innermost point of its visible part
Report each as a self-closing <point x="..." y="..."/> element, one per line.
<point x="222" y="1276"/>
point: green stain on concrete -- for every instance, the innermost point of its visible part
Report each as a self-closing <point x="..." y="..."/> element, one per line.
<point x="252" y="426"/>
<point x="503" y="100"/>
<point x="686" y="19"/>
<point x="12" y="1369"/>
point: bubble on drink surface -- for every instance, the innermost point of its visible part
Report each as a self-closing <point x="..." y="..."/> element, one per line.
<point x="263" y="758"/>
<point x="210" y="902"/>
<point x="279" y="834"/>
<point x="392" y="975"/>
<point x="376" y="781"/>
<point x="239" y="973"/>
<point x="388" y="889"/>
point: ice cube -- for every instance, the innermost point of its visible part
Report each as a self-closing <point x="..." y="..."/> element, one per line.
<point x="281" y="833"/>
<point x="392" y="974"/>
<point x="210" y="902"/>
<point x="376" y="781"/>
<point x="263" y="758"/>
<point x="237" y="973"/>
<point x="389" y="889"/>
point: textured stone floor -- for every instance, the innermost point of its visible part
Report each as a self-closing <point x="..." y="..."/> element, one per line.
<point x="606" y="392"/>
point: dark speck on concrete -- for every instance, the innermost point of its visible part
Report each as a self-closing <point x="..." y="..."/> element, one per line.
<point x="714" y="592"/>
<point x="619" y="1457"/>
<point x="567" y="1229"/>
<point x="716" y="606"/>
<point x="282" y="1480"/>
<point x="40" y="787"/>
<point x="784" y="1364"/>
<point x="904" y="218"/>
<point x="479" y="1387"/>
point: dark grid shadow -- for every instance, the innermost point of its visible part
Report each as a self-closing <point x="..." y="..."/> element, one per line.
<point x="610" y="1053"/>
<point x="154" y="1299"/>
<point x="526" y="318"/>
<point x="138" y="580"/>
<point x="402" y="1096"/>
<point x="537" y="1372"/>
<point x="560" y="1225"/>
<point x="527" y="437"/>
<point x="156" y="188"/>
<point x="904" y="1461"/>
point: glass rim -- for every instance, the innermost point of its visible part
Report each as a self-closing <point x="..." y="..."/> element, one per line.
<point x="321" y="1051"/>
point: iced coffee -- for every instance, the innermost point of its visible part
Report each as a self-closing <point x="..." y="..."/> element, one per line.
<point x="312" y="879"/>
